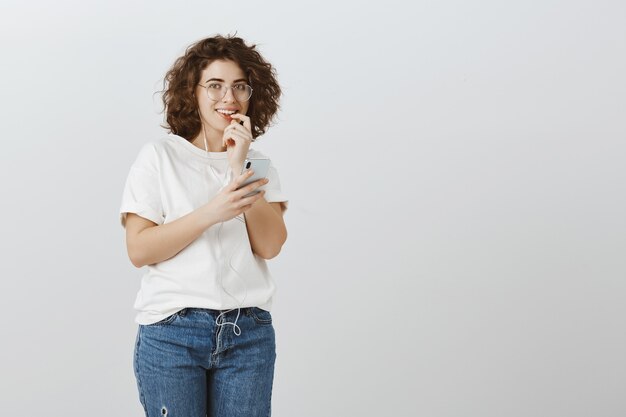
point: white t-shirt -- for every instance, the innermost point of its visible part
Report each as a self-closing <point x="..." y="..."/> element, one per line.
<point x="170" y="178"/>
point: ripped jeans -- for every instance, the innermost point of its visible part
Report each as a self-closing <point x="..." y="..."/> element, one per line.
<point x="188" y="366"/>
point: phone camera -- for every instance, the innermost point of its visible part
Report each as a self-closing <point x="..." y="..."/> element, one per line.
<point x="248" y="164"/>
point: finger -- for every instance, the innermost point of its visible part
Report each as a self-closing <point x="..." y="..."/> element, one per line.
<point x="228" y="139"/>
<point x="253" y="198"/>
<point x="238" y="137"/>
<point x="234" y="139"/>
<point x="235" y="127"/>
<point x="245" y="208"/>
<point x="246" y="120"/>
<point x="241" y="133"/>
<point x="251" y="187"/>
<point x="229" y="129"/>
<point x="250" y="172"/>
<point x="239" y="180"/>
<point x="249" y="200"/>
<point x="228" y="132"/>
<point x="235" y="124"/>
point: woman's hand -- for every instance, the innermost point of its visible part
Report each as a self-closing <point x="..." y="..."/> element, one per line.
<point x="230" y="203"/>
<point x="237" y="139"/>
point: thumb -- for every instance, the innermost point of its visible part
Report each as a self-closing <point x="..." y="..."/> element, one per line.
<point x="238" y="180"/>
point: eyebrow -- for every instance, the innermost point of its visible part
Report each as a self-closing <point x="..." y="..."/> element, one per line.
<point x="219" y="79"/>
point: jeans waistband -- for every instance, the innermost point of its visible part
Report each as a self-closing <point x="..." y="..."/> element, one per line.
<point x="244" y="310"/>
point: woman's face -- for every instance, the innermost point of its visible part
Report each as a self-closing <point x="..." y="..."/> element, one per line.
<point x="228" y="74"/>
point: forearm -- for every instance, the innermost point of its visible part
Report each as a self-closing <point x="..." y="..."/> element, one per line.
<point x="266" y="229"/>
<point x="159" y="243"/>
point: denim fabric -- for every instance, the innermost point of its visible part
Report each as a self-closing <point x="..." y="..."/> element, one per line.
<point x="188" y="366"/>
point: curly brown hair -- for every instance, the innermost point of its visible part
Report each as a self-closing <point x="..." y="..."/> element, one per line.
<point x="180" y="105"/>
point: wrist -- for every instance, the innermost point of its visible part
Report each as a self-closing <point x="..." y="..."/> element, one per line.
<point x="235" y="170"/>
<point x="206" y="216"/>
<point x="230" y="175"/>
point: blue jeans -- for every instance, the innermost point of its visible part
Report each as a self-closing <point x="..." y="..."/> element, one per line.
<point x="188" y="366"/>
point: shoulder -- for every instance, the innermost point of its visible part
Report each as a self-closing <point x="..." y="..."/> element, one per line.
<point x="253" y="153"/>
<point x="161" y="144"/>
<point x="151" y="152"/>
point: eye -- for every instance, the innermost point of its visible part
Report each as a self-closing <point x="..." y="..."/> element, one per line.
<point x="240" y="86"/>
<point x="215" y="86"/>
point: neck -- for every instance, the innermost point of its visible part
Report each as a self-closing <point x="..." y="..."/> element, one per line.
<point x="213" y="140"/>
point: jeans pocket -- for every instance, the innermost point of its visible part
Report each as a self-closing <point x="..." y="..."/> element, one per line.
<point x="261" y="316"/>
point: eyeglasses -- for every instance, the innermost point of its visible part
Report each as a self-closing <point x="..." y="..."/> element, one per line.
<point x="217" y="91"/>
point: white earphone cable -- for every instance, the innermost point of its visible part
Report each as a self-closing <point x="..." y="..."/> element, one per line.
<point x="225" y="180"/>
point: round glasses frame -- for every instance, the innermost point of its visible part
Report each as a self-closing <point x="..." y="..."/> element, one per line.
<point x="226" y="87"/>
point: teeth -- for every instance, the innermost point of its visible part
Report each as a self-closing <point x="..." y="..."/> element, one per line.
<point x="227" y="111"/>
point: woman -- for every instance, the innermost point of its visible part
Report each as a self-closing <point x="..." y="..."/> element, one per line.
<point x="205" y="343"/>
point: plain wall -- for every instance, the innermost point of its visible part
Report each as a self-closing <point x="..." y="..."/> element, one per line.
<point x="457" y="210"/>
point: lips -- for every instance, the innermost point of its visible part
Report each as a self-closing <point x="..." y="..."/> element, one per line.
<point x="226" y="116"/>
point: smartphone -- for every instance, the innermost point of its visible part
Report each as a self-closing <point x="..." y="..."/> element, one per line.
<point x="260" y="166"/>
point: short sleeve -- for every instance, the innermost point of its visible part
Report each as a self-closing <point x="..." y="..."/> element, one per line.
<point x="142" y="191"/>
<point x="273" y="189"/>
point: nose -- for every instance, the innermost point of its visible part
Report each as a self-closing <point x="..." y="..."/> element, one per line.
<point x="229" y="96"/>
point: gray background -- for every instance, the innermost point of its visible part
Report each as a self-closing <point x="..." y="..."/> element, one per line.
<point x="456" y="180"/>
